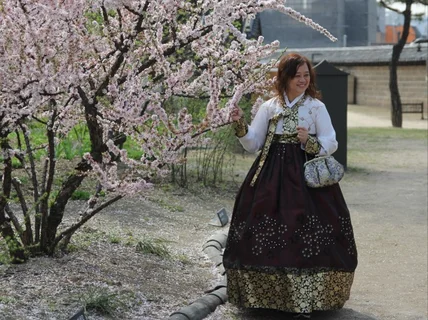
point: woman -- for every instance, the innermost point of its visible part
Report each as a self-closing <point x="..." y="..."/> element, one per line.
<point x="290" y="247"/>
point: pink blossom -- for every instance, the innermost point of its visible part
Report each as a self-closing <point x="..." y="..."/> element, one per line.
<point x="66" y="63"/>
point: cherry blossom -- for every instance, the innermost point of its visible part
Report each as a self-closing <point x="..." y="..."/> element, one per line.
<point x="111" y="65"/>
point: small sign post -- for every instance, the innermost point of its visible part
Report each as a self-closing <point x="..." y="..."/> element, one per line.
<point x="80" y="315"/>
<point x="221" y="218"/>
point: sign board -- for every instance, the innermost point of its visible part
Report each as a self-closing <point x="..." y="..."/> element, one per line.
<point x="80" y="315"/>
<point x="220" y="219"/>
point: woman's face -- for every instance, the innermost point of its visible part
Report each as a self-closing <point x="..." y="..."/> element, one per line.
<point x="298" y="85"/>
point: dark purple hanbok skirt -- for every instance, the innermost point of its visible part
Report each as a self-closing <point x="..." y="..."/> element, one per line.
<point x="290" y="247"/>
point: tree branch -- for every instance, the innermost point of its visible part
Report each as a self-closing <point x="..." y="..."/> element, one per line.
<point x="33" y="173"/>
<point x="15" y="223"/>
<point x="105" y="15"/>
<point x="39" y="120"/>
<point x="387" y="6"/>
<point x="86" y="216"/>
<point x="168" y="52"/>
<point x="27" y="237"/>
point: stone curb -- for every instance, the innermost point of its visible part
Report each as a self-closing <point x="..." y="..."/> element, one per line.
<point x="202" y="307"/>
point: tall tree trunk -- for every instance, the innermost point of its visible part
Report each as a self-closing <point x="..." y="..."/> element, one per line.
<point x="50" y="173"/>
<point x="16" y="251"/>
<point x="56" y="211"/>
<point x="396" y="109"/>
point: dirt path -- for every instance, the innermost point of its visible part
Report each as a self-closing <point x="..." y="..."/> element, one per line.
<point x="365" y="116"/>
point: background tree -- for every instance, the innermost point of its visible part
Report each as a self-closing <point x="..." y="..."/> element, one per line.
<point x="396" y="108"/>
<point x="109" y="66"/>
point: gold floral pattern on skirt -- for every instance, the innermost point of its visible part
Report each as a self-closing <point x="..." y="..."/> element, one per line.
<point x="305" y="292"/>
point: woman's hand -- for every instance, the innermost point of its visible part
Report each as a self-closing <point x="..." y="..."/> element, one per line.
<point x="302" y="134"/>
<point x="236" y="114"/>
<point x="239" y="124"/>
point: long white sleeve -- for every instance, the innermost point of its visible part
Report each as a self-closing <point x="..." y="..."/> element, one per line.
<point x="256" y="135"/>
<point x="325" y="132"/>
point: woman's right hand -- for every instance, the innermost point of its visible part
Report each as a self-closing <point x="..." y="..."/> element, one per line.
<point x="236" y="114"/>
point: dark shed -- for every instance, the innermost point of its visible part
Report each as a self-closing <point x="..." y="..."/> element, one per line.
<point x="333" y="84"/>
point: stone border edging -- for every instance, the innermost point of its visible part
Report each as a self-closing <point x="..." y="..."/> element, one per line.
<point x="202" y="307"/>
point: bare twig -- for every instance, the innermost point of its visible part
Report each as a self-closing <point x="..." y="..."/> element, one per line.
<point x="85" y="217"/>
<point x="28" y="228"/>
<point x="15" y="222"/>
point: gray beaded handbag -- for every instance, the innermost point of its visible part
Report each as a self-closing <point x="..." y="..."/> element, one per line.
<point x="322" y="171"/>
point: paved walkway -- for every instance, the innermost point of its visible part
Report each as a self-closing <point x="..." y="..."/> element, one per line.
<point x="369" y="116"/>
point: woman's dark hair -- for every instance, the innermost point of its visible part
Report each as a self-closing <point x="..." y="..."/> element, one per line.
<point x="287" y="69"/>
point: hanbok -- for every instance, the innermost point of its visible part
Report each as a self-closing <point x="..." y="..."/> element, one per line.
<point x="290" y="247"/>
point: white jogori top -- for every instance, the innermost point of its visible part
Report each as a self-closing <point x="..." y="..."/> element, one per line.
<point x="312" y="115"/>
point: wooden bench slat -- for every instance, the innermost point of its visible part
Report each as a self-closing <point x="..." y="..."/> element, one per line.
<point x="413" y="107"/>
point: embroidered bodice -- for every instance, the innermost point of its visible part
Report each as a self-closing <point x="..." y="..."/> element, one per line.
<point x="308" y="112"/>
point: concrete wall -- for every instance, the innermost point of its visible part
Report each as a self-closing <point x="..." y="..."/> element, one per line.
<point x="372" y="87"/>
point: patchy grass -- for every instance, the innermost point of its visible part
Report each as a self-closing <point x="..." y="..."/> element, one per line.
<point x="167" y="205"/>
<point x="84" y="238"/>
<point x="7" y="300"/>
<point x="104" y="302"/>
<point x="81" y="195"/>
<point x="388" y="133"/>
<point x="383" y="138"/>
<point x="183" y="259"/>
<point x="115" y="239"/>
<point x="4" y="253"/>
<point x="370" y="148"/>
<point x="356" y="170"/>
<point x="154" y="246"/>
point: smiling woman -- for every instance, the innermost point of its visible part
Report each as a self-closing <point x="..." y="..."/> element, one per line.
<point x="290" y="247"/>
<point x="300" y="82"/>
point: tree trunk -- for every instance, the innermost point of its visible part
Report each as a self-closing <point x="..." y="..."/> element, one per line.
<point x="396" y="109"/>
<point x="16" y="251"/>
<point x="57" y="209"/>
<point x="47" y="186"/>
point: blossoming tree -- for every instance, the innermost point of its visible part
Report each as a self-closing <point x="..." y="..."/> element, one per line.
<point x="110" y="66"/>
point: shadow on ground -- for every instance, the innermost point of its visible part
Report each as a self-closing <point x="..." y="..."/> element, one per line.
<point x="266" y="314"/>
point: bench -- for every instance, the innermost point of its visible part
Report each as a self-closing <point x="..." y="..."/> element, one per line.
<point x="417" y="107"/>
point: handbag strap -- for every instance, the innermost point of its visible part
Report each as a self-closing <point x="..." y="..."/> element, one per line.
<point x="317" y="155"/>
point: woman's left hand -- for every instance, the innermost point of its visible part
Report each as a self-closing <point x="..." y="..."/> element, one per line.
<point x="236" y="114"/>
<point x="302" y="134"/>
